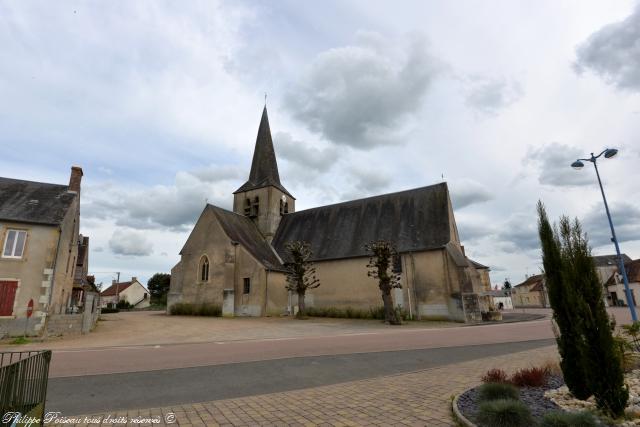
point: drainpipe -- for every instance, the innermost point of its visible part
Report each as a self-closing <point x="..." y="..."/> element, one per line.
<point x="53" y="269"/>
<point x="406" y="277"/>
<point x="413" y="278"/>
<point x="266" y="292"/>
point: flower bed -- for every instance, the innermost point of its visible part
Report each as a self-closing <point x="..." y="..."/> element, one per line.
<point x="563" y="398"/>
<point x="533" y="397"/>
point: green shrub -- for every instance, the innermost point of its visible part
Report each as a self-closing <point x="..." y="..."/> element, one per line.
<point x="185" y="309"/>
<point x="504" y="413"/>
<point x="497" y="391"/>
<point x="568" y="419"/>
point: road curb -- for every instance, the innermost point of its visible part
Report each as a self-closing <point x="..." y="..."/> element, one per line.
<point x="458" y="415"/>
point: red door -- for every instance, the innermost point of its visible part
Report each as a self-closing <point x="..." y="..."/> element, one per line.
<point x="7" y="296"/>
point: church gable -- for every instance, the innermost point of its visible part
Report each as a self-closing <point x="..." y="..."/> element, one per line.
<point x="413" y="220"/>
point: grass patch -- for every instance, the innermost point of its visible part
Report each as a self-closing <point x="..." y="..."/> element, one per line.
<point x="20" y="341"/>
<point x="497" y="391"/>
<point x="504" y="413"/>
<point x="352" y="313"/>
<point x="184" y="309"/>
<point x="568" y="419"/>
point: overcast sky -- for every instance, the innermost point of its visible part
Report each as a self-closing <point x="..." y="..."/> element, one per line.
<point x="159" y="102"/>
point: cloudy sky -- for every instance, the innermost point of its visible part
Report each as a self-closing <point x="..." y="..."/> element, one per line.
<point x="159" y="102"/>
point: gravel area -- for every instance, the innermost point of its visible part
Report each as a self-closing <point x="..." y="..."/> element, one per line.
<point x="533" y="397"/>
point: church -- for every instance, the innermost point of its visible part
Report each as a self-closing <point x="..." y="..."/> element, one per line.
<point x="235" y="259"/>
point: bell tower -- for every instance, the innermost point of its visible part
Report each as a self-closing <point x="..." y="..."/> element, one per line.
<point x="263" y="198"/>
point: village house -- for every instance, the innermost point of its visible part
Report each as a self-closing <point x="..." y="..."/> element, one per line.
<point x="615" y="284"/>
<point x="236" y="258"/>
<point x="39" y="231"/>
<point x="531" y="293"/>
<point x="132" y="292"/>
<point x="606" y="266"/>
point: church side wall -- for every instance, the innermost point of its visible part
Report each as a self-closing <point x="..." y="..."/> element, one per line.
<point x="207" y="238"/>
<point x="344" y="283"/>
<point x="434" y="279"/>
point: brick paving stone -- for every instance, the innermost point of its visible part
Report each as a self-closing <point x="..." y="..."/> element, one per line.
<point x="421" y="398"/>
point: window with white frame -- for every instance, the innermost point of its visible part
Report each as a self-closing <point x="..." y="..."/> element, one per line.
<point x="14" y="243"/>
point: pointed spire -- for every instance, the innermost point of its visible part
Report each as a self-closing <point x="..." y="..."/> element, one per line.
<point x="264" y="168"/>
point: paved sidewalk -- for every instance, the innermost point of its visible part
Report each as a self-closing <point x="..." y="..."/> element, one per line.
<point x="420" y="398"/>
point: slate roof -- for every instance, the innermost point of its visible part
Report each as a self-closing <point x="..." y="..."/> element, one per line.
<point x="33" y="202"/>
<point x="244" y="231"/>
<point x="264" y="167"/>
<point x="478" y="266"/>
<point x="535" y="280"/>
<point x="111" y="290"/>
<point x="609" y="260"/>
<point x="633" y="273"/>
<point x="414" y="220"/>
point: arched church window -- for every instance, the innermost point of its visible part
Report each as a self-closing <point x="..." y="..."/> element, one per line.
<point x="284" y="207"/>
<point x="204" y="269"/>
<point x="247" y="207"/>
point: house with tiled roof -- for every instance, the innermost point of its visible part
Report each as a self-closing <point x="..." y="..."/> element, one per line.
<point x="237" y="258"/>
<point x="39" y="244"/>
<point x="133" y="292"/>
<point x="531" y="293"/>
<point x="615" y="284"/>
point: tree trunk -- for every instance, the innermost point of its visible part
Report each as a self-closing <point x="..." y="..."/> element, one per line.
<point x="301" y="306"/>
<point x="390" y="316"/>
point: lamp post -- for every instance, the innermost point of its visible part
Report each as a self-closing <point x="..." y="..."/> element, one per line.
<point x="609" y="153"/>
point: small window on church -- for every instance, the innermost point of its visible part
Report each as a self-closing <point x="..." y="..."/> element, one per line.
<point x="247" y="286"/>
<point x="247" y="207"/>
<point x="397" y="263"/>
<point x="204" y="269"/>
<point x="286" y="207"/>
<point x="255" y="207"/>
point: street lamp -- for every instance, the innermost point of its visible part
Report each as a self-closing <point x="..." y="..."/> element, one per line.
<point x="609" y="153"/>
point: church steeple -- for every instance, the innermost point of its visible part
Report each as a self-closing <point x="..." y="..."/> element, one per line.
<point x="264" y="168"/>
<point x="263" y="198"/>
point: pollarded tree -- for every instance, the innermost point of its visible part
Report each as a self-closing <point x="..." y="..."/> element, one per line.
<point x="301" y="274"/>
<point x="381" y="256"/>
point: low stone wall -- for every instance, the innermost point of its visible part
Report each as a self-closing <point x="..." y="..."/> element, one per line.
<point x="64" y="324"/>
<point x="10" y="327"/>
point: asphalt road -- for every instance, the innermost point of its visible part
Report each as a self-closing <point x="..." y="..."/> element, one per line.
<point x="120" y="359"/>
<point x="75" y="395"/>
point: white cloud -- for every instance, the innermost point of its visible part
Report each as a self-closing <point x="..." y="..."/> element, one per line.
<point x="490" y="95"/>
<point x="613" y="53"/>
<point x="553" y="165"/>
<point x="467" y="192"/>
<point x="130" y="243"/>
<point x="361" y="95"/>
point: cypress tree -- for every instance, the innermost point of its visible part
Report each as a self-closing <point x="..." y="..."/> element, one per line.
<point x="602" y="361"/>
<point x="564" y="301"/>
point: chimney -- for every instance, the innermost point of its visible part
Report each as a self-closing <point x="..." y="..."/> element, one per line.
<point x="113" y="281"/>
<point x="74" y="180"/>
<point x="134" y="279"/>
<point x="462" y="248"/>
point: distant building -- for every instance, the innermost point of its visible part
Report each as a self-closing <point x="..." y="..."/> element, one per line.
<point x="531" y="293"/>
<point x="236" y="258"/>
<point x="40" y="240"/>
<point x="606" y="266"/>
<point x="500" y="299"/>
<point x="132" y="291"/>
<point x="615" y="284"/>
